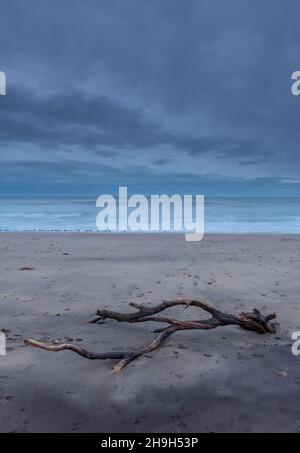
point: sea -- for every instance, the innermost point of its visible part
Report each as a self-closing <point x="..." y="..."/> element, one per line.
<point x="222" y="215"/>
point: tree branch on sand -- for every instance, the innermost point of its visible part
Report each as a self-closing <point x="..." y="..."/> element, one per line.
<point x="253" y="321"/>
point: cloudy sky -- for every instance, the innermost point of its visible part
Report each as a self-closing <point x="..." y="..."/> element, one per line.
<point x="173" y="95"/>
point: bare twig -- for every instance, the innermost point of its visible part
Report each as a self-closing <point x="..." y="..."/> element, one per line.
<point x="253" y="321"/>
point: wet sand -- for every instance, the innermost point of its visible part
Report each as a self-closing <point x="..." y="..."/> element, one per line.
<point x="223" y="380"/>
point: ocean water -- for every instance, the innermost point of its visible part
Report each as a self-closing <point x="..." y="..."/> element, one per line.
<point x="222" y="215"/>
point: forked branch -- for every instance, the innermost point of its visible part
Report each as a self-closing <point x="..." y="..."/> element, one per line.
<point x="253" y="321"/>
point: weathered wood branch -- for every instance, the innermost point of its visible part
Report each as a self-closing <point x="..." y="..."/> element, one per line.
<point x="143" y="311"/>
<point x="253" y="321"/>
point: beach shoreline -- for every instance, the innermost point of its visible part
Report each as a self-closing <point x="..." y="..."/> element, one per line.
<point x="204" y="381"/>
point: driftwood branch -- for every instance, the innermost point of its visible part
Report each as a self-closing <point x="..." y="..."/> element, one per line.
<point x="253" y="321"/>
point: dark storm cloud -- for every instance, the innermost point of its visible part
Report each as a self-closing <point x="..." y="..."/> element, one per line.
<point x="185" y="82"/>
<point x="162" y="161"/>
<point x="77" y="119"/>
<point x="74" y="119"/>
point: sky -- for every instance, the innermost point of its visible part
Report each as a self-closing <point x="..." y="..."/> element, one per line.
<point x="176" y="96"/>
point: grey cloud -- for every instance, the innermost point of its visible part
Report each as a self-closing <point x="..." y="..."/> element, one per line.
<point x="162" y="161"/>
<point x="98" y="122"/>
<point x="204" y="81"/>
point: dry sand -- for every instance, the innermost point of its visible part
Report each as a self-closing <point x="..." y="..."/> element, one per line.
<point x="220" y="380"/>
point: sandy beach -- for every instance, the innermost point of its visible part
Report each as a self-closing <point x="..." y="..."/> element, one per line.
<point x="222" y="380"/>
